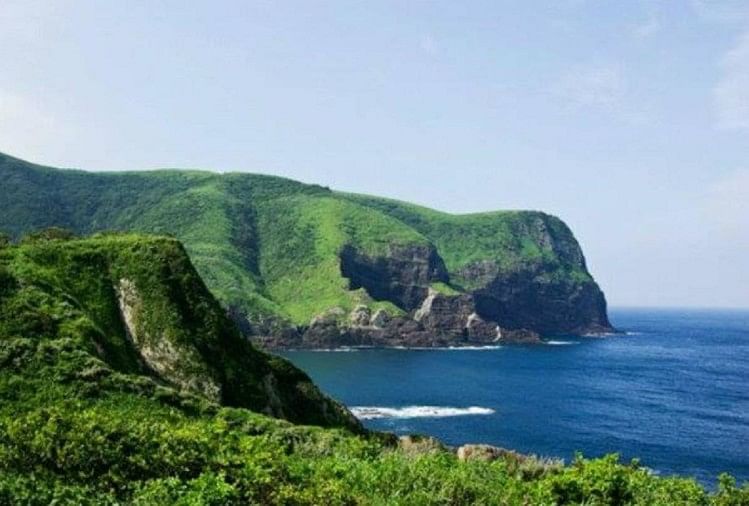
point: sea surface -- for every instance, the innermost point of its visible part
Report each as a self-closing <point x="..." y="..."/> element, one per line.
<point x="673" y="391"/>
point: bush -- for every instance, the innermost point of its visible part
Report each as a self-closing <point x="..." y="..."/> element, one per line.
<point x="48" y="234"/>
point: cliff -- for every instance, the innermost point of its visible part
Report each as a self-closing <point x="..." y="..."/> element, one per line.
<point x="135" y="305"/>
<point x="294" y="264"/>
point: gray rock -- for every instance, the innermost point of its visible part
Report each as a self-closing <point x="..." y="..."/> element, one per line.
<point x="402" y="275"/>
<point x="380" y="319"/>
<point x="483" y="452"/>
<point x="360" y="316"/>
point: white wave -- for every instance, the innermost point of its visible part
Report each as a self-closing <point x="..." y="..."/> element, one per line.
<point x="445" y="348"/>
<point x="372" y="412"/>
<point x="559" y="343"/>
<point x="632" y="333"/>
<point x="344" y="349"/>
<point x="336" y="350"/>
<point x="471" y="348"/>
<point x="651" y="471"/>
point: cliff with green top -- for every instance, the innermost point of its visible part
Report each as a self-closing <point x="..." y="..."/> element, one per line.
<point x="119" y="305"/>
<point x="302" y="265"/>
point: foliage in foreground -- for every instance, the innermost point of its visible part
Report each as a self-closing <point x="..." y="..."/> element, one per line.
<point x="78" y="426"/>
<point x="114" y="447"/>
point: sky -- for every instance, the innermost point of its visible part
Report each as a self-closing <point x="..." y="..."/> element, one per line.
<point x="629" y="120"/>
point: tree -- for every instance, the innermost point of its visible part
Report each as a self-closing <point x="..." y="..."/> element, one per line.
<point x="5" y="240"/>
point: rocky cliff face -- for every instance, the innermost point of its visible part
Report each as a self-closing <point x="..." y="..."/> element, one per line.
<point x="440" y="321"/>
<point x="402" y="276"/>
<point x="534" y="300"/>
<point x="516" y="305"/>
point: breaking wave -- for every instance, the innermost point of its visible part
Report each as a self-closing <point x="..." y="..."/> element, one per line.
<point x="345" y="349"/>
<point x="447" y="348"/>
<point x="372" y="412"/>
<point x="559" y="343"/>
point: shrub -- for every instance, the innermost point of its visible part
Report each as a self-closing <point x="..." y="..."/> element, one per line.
<point x="48" y="234"/>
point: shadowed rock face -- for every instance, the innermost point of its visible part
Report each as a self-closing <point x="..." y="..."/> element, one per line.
<point x="455" y="315"/>
<point x="502" y="307"/>
<point x="401" y="277"/>
<point x="532" y="299"/>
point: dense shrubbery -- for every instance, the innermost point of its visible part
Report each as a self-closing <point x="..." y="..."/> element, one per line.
<point x="48" y="234"/>
<point x="81" y="423"/>
<point x="122" y="449"/>
<point x="67" y="290"/>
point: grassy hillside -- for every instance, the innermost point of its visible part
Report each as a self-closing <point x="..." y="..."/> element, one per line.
<point x="512" y="239"/>
<point x="88" y="416"/>
<point x="270" y="247"/>
<point x="138" y="306"/>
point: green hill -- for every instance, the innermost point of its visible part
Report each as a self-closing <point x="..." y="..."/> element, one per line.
<point x="122" y="382"/>
<point x="280" y="253"/>
<point x="137" y="304"/>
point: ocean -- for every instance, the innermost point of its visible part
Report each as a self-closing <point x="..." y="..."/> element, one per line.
<point x="672" y="391"/>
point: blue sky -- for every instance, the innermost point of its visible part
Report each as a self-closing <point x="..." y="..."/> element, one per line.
<point x="630" y="120"/>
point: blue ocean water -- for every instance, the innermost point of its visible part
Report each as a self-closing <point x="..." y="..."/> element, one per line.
<point x="673" y="391"/>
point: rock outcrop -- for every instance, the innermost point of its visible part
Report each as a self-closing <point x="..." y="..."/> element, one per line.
<point x="137" y="305"/>
<point x="440" y="321"/>
<point x="402" y="276"/>
<point x="536" y="298"/>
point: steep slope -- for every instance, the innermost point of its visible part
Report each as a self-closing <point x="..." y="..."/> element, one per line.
<point x="137" y="304"/>
<point x="524" y="268"/>
<point x="312" y="267"/>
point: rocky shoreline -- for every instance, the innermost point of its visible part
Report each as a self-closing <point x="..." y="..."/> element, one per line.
<point x="503" y="306"/>
<point x="441" y="321"/>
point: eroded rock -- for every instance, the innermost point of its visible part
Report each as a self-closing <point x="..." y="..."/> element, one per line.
<point x="158" y="352"/>
<point x="401" y="276"/>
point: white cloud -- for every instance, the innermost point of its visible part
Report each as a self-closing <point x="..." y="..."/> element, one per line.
<point x="731" y="93"/>
<point x="602" y="88"/>
<point x="27" y="20"/>
<point x="651" y="25"/>
<point x="428" y="44"/>
<point x="726" y="204"/>
<point x="721" y="11"/>
<point x="648" y="28"/>
<point x="26" y="128"/>
<point x="597" y="86"/>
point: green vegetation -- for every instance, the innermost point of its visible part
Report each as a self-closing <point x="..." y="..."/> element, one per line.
<point x="138" y="304"/>
<point x="269" y="246"/>
<point x="511" y="239"/>
<point x="85" y="420"/>
<point x="443" y="288"/>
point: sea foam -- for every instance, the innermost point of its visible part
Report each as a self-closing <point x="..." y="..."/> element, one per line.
<point x="372" y="412"/>
<point x="344" y="349"/>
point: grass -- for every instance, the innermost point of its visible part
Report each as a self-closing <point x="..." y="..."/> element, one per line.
<point x="83" y="422"/>
<point x="72" y="431"/>
<point x="67" y="290"/>
<point x="510" y="239"/>
<point x="268" y="245"/>
<point x="444" y="288"/>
